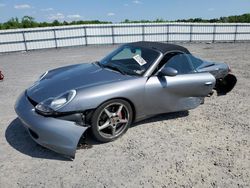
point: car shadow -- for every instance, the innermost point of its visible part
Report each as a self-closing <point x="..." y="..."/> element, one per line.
<point x="162" y="117"/>
<point x="88" y="141"/>
<point x="17" y="136"/>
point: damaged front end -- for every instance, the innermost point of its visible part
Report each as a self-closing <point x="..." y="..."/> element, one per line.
<point x="60" y="134"/>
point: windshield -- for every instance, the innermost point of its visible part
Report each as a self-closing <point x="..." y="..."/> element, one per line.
<point x="130" y="60"/>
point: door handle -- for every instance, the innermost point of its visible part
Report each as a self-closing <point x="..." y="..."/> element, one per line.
<point x="208" y="83"/>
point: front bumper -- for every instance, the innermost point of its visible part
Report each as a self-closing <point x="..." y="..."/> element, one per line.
<point x="58" y="135"/>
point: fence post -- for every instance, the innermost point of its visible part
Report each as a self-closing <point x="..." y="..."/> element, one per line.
<point x="24" y="40"/>
<point x="85" y="36"/>
<point x="191" y="33"/>
<point x="214" y="32"/>
<point x="113" y="37"/>
<point x="55" y="37"/>
<point x="236" y="32"/>
<point x="167" y="33"/>
<point x="143" y="32"/>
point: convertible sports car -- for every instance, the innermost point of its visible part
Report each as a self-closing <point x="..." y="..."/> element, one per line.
<point x="136" y="81"/>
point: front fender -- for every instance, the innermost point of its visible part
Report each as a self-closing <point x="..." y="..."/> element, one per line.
<point x="92" y="97"/>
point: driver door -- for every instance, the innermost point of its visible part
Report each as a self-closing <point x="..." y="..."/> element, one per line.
<point x="184" y="91"/>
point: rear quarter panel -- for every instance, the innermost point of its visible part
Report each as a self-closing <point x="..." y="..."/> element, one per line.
<point x="219" y="70"/>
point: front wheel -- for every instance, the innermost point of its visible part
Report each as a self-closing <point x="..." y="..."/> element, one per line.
<point x="111" y="120"/>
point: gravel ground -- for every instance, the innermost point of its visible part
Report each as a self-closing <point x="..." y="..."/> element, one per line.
<point x="205" y="147"/>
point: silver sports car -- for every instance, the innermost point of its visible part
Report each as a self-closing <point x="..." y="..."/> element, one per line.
<point x="134" y="82"/>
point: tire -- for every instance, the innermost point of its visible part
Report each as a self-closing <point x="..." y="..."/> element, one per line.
<point x="111" y="120"/>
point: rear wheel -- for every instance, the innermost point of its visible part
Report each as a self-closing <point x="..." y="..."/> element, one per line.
<point x="226" y="84"/>
<point x="111" y="120"/>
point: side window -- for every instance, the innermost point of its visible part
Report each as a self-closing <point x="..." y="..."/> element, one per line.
<point x="179" y="62"/>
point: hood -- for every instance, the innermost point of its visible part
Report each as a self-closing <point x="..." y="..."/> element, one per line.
<point x="80" y="76"/>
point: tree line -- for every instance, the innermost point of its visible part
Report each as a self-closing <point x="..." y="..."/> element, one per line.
<point x="29" y="22"/>
<point x="244" y="18"/>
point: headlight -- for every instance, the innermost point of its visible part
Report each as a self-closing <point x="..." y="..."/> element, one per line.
<point x="49" y="106"/>
<point x="62" y="100"/>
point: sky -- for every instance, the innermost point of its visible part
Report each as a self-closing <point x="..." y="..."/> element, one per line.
<point x="119" y="10"/>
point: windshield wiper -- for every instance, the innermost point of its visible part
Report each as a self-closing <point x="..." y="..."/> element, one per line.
<point x="98" y="63"/>
<point x="114" y="68"/>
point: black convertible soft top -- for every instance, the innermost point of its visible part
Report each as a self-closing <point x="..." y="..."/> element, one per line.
<point x="162" y="47"/>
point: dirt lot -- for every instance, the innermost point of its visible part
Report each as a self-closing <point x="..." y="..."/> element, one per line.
<point x="206" y="147"/>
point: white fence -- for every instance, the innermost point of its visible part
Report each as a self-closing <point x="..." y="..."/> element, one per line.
<point x="77" y="35"/>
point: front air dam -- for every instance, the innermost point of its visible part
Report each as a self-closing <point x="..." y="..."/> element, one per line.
<point x="58" y="135"/>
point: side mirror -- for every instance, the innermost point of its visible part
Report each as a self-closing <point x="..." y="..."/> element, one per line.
<point x="168" y="71"/>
